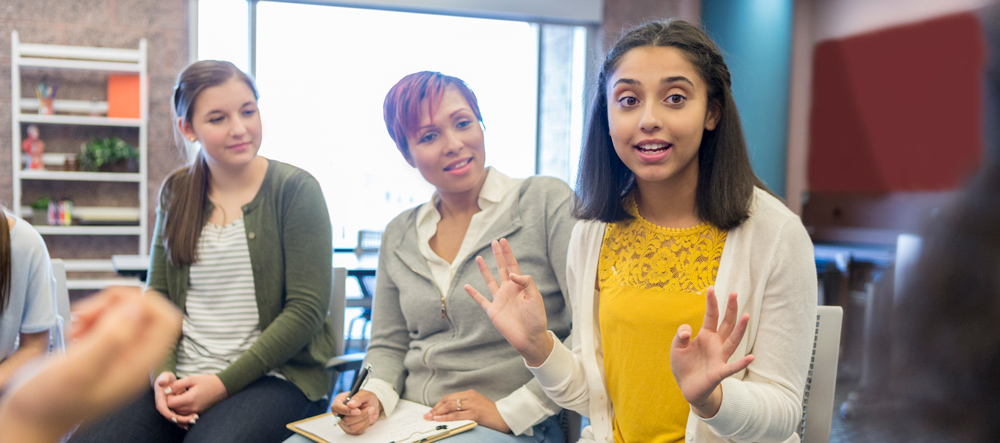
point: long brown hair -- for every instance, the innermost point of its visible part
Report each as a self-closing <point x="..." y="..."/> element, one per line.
<point x="184" y="193"/>
<point x="726" y="179"/>
<point x="5" y="261"/>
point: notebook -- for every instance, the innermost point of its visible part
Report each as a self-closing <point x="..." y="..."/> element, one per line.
<point x="406" y="425"/>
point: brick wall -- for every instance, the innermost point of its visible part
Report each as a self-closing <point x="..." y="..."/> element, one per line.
<point x="103" y="23"/>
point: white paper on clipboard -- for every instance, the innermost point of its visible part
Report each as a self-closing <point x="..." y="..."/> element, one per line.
<point x="406" y="424"/>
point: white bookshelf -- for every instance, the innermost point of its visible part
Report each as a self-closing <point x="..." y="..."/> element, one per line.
<point x="84" y="113"/>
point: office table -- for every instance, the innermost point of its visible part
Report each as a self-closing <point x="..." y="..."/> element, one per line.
<point x="362" y="268"/>
<point x="131" y="265"/>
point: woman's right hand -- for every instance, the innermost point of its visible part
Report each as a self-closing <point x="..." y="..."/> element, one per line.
<point x="517" y="309"/>
<point x="162" y="387"/>
<point x="357" y="415"/>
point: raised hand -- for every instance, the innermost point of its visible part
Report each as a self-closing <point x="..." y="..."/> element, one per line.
<point x="700" y="364"/>
<point x="468" y="405"/>
<point x="359" y="414"/>
<point x="120" y="336"/>
<point x="517" y="309"/>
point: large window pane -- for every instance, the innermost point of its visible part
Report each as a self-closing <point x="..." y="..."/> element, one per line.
<point x="222" y="31"/>
<point x="323" y="73"/>
<point x="563" y="72"/>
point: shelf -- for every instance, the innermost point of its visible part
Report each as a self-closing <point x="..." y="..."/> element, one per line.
<point x="89" y="230"/>
<point x="95" y="285"/>
<point x="95" y="214"/>
<point x="93" y="65"/>
<point x="134" y="177"/>
<point x="88" y="265"/>
<point x="108" y="214"/>
<point x="80" y="52"/>
<point x="80" y="120"/>
<point x="64" y="105"/>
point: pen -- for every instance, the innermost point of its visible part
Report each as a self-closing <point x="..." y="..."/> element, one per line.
<point x="359" y="382"/>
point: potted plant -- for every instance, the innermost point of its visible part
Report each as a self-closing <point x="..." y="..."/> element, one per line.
<point x="40" y="211"/>
<point x="108" y="154"/>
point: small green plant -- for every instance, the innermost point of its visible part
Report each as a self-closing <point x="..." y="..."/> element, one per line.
<point x="41" y="204"/>
<point x="104" y="151"/>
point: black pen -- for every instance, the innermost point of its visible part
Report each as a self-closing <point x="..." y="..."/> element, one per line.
<point x="359" y="382"/>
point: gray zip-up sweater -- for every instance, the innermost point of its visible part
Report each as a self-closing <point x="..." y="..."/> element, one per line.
<point x="426" y="356"/>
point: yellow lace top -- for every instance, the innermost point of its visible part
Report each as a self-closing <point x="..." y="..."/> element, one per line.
<point x="651" y="281"/>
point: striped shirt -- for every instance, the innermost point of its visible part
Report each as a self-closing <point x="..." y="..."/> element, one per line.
<point x="221" y="319"/>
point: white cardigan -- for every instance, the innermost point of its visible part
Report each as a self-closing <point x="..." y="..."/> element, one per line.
<point x="769" y="262"/>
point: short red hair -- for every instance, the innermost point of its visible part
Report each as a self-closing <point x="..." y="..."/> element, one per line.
<point x="401" y="109"/>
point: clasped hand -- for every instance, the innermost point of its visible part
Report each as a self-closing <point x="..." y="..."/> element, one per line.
<point x="517" y="309"/>
<point x="181" y="400"/>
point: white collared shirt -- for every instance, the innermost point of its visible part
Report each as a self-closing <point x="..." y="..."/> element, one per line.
<point x="493" y="200"/>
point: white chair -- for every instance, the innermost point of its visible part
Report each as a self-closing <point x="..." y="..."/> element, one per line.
<point x="338" y="302"/>
<point x="817" y="404"/>
<point x="61" y="335"/>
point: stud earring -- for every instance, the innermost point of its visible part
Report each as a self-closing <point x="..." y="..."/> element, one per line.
<point x="193" y="139"/>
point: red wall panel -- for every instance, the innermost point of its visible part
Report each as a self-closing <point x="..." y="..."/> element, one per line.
<point x="898" y="109"/>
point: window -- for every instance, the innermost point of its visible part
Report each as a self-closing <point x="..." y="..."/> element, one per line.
<point x="222" y="31"/>
<point x="323" y="73"/>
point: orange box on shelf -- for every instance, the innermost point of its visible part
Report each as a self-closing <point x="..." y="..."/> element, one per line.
<point x="123" y="96"/>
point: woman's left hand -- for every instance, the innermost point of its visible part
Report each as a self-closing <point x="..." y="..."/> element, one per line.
<point x="700" y="364"/>
<point x="474" y="406"/>
<point x="195" y="394"/>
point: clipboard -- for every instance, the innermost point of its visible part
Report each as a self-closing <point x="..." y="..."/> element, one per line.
<point x="406" y="425"/>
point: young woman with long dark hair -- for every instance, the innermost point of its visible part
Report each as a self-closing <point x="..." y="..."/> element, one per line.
<point x="671" y="214"/>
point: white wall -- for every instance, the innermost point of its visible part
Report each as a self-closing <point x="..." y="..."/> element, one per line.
<point x="842" y="18"/>
<point x="578" y="12"/>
